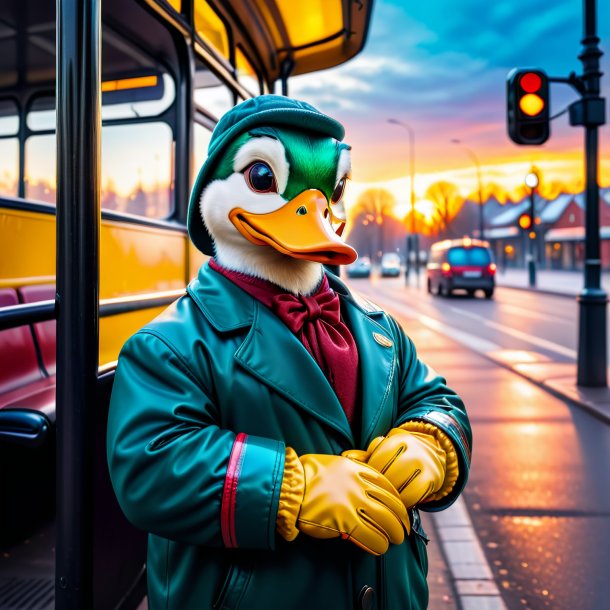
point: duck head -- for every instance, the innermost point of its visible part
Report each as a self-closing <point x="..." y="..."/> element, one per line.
<point x="268" y="201"/>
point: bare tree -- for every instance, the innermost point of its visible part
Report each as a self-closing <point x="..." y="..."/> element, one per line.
<point x="448" y="202"/>
<point x="373" y="207"/>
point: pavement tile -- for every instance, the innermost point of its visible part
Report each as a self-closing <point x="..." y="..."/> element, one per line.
<point x="464" y="552"/>
<point x="477" y="587"/>
<point x="455" y="515"/>
<point x="457" y="534"/>
<point x="471" y="571"/>
<point x="482" y="602"/>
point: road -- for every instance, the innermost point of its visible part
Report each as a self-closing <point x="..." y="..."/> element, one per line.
<point x="539" y="489"/>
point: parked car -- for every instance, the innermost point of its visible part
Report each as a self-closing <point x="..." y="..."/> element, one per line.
<point x="461" y="264"/>
<point x="360" y="268"/>
<point x="390" y="265"/>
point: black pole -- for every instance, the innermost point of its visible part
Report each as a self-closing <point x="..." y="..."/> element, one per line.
<point x="531" y="257"/>
<point x="592" y="357"/>
<point x="78" y="219"/>
<point x="481" y="215"/>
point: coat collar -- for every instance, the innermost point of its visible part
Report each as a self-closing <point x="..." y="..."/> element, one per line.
<point x="268" y="341"/>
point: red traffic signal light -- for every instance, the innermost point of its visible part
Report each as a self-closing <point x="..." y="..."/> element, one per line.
<point x="525" y="221"/>
<point x="528" y="107"/>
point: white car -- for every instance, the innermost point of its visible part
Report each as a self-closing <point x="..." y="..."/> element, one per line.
<point x="390" y="265"/>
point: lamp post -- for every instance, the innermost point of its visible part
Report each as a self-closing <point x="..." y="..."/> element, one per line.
<point x="414" y="237"/>
<point x="531" y="181"/>
<point x="471" y="154"/>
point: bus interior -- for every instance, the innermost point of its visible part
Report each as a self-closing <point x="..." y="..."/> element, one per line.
<point x="167" y="70"/>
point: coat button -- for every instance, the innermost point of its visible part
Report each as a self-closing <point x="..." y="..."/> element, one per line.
<point x="366" y="598"/>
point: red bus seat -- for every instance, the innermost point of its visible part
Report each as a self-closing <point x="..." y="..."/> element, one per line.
<point x="43" y="331"/>
<point x="18" y="361"/>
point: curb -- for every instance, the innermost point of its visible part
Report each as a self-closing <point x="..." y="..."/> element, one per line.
<point x="591" y="407"/>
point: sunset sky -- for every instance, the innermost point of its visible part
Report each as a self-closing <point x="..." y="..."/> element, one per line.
<point x="441" y="67"/>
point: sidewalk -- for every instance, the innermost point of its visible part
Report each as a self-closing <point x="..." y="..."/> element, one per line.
<point x="568" y="283"/>
<point x="558" y="378"/>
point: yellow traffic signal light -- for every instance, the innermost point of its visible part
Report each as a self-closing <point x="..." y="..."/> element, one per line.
<point x="528" y="106"/>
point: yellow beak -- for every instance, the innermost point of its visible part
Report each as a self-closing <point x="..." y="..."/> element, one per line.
<point x="298" y="229"/>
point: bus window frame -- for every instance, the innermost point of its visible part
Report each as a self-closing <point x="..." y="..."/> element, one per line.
<point x="169" y="117"/>
<point x="20" y="141"/>
<point x="255" y="67"/>
<point x="230" y="61"/>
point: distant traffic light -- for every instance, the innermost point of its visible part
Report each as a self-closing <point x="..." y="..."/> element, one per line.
<point x="528" y="106"/>
<point x="525" y="221"/>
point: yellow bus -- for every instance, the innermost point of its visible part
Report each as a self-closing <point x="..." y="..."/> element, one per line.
<point x="106" y="110"/>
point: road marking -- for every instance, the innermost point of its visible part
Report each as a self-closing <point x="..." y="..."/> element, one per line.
<point x="472" y="341"/>
<point x="518" y="334"/>
<point x="534" y="315"/>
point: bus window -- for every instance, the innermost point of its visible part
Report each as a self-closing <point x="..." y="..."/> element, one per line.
<point x="137" y="169"/>
<point x="41" y="115"/>
<point x="211" y="93"/>
<point x="136" y="157"/>
<point x="40" y="155"/>
<point x="245" y="72"/>
<point x="201" y="137"/>
<point x="9" y="148"/>
<point x="136" y="109"/>
<point x="211" y="28"/>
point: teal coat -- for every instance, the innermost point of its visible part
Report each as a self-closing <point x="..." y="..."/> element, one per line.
<point x="218" y="363"/>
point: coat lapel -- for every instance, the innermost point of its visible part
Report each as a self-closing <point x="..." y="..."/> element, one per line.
<point x="270" y="352"/>
<point x="377" y="356"/>
<point x="276" y="357"/>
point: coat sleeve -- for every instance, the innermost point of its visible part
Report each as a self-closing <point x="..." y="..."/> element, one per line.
<point x="175" y="472"/>
<point x="425" y="396"/>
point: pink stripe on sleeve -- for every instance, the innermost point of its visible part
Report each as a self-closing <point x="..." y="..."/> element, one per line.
<point x="229" y="492"/>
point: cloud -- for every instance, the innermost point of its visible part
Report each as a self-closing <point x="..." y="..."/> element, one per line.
<point x="442" y="67"/>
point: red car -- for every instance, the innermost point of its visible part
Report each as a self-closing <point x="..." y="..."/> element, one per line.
<point x="461" y="264"/>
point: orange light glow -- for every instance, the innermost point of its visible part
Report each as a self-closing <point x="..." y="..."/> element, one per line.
<point x="445" y="267"/>
<point x="531" y="104"/>
<point x="492" y="268"/>
<point x="129" y="83"/>
<point x="525" y="221"/>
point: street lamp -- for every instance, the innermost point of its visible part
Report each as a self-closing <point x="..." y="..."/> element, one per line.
<point x="471" y="154"/>
<point x="531" y="181"/>
<point x="414" y="236"/>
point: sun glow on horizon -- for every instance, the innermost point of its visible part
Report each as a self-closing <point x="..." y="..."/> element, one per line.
<point x="505" y="181"/>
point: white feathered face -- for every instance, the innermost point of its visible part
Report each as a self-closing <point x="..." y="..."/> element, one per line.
<point x="280" y="189"/>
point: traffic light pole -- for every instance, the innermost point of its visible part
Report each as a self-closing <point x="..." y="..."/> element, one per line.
<point x="531" y="239"/>
<point x="590" y="112"/>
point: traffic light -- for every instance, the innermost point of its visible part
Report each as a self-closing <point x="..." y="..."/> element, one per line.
<point x="528" y="106"/>
<point x="525" y="221"/>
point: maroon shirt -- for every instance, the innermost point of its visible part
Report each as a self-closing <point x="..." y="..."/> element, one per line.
<point x="316" y="322"/>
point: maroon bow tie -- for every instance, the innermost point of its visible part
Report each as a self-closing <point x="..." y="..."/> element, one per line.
<point x="295" y="311"/>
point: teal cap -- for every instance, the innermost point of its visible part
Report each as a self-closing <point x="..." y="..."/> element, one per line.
<point x="262" y="111"/>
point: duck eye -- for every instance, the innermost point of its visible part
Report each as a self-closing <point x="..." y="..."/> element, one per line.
<point x="338" y="192"/>
<point x="260" y="178"/>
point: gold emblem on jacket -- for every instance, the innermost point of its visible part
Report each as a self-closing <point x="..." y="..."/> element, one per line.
<point x="382" y="340"/>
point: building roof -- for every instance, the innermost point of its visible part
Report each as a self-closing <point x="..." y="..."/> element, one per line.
<point x="511" y="213"/>
<point x="552" y="210"/>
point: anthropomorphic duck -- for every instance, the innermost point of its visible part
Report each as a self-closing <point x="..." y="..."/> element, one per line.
<point x="275" y="435"/>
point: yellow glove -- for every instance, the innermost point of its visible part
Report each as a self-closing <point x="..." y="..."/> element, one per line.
<point x="414" y="462"/>
<point x="340" y="498"/>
